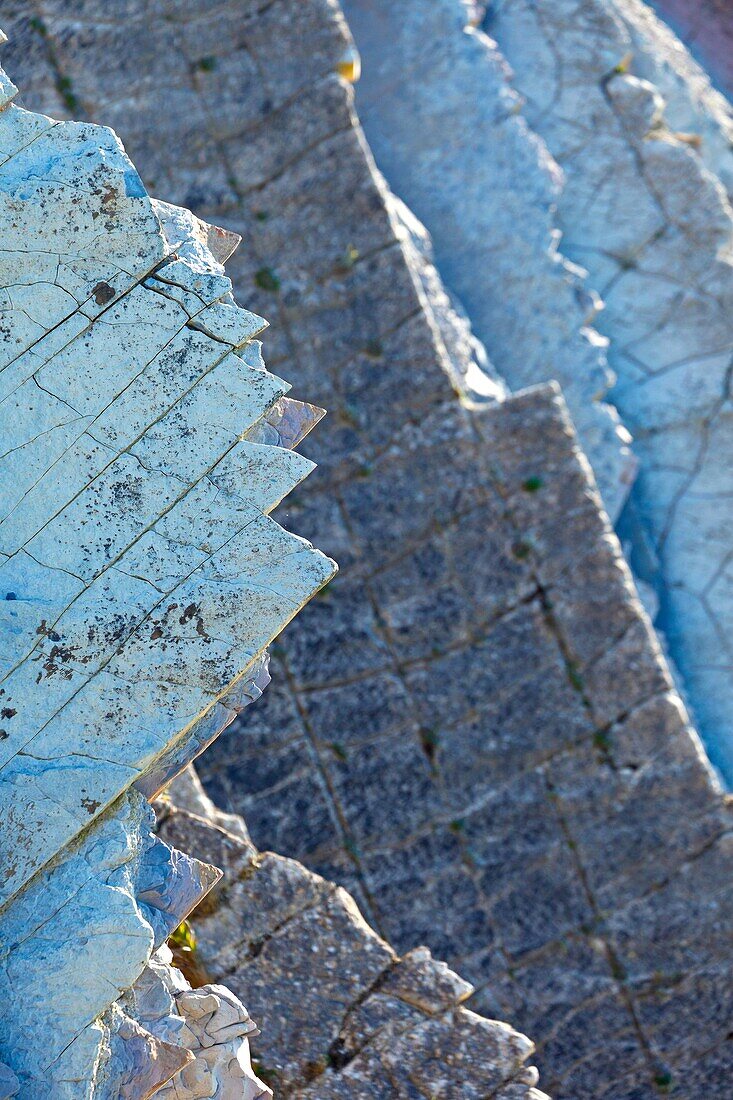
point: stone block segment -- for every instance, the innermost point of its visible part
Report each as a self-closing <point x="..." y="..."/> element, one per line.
<point x="143" y="446"/>
<point x="644" y="142"/>
<point x="342" y="1014"/>
<point x="518" y="793"/>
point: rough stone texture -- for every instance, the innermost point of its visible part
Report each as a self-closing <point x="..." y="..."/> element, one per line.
<point x="216" y="1029"/>
<point x="692" y="106"/>
<point x="508" y="775"/>
<point x="627" y="171"/>
<point x="342" y="1015"/>
<point x="133" y="512"/>
<point x="79" y="936"/>
<point x="576" y="864"/>
<point x="143" y="445"/>
<point x="158" y="1026"/>
<point x="643" y="212"/>
<point x="446" y="130"/>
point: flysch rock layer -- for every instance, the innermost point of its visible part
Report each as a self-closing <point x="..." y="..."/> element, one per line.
<point x="431" y="73"/>
<point x="143" y="446"/>
<point x="473" y="729"/>
<point x="497" y="763"/>
<point x="342" y="1016"/>
<point x="446" y="129"/>
<point x="645" y="146"/>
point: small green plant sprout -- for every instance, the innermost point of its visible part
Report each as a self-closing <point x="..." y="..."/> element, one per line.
<point x="430" y="741"/>
<point x="624" y="64"/>
<point x="574" y="676"/>
<point x="65" y="88"/>
<point x="602" y="741"/>
<point x="350" y="415"/>
<point x="532" y="484"/>
<point x="183" y="938"/>
<point x="663" y="1081"/>
<point x="266" y="279"/>
<point x="266" y="1074"/>
<point x="349" y="258"/>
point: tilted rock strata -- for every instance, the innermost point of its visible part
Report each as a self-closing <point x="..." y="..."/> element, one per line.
<point x="576" y="869"/>
<point x="342" y="1015"/>
<point x="446" y="129"/>
<point x="141" y="577"/>
<point x="508" y="774"/>
<point x="425" y="79"/>
<point x="643" y="212"/>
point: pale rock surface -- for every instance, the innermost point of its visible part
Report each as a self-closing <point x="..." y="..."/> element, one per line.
<point x="692" y="105"/>
<point x="211" y="1023"/>
<point x="139" y="414"/>
<point x="144" y="444"/>
<point x="446" y="128"/>
<point x="77" y="938"/>
<point x="644" y="213"/>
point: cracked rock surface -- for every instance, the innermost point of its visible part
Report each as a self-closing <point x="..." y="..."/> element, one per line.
<point x="341" y="1014"/>
<point x="446" y="129"/>
<point x="622" y="146"/>
<point x="141" y="579"/>
<point x="518" y="788"/>
<point x="473" y="729"/>
<point x="645" y="146"/>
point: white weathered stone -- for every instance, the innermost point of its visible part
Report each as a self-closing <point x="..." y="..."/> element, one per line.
<point x="217" y="1032"/>
<point x="639" y="134"/>
<point x="82" y="932"/>
<point x="143" y="445"/>
<point x="447" y="130"/>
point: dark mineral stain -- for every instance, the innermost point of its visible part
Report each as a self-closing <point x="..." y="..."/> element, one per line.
<point x="103" y="293"/>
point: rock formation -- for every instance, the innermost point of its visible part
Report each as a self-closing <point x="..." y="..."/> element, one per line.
<point x="141" y="582"/>
<point x="446" y="129"/>
<point x="473" y="728"/>
<point x="144" y="445"/>
<point x="645" y="209"/>
<point x="638" y="145"/>
<point x="341" y="1014"/>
